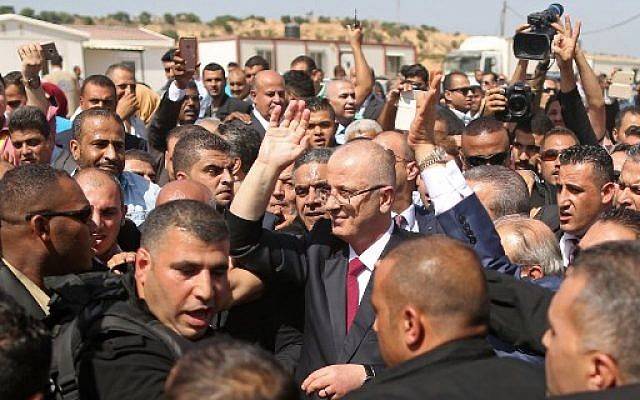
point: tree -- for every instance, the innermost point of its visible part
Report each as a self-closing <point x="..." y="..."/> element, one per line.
<point x="28" y="12"/>
<point x="7" y="10"/>
<point x="285" y="19"/>
<point x="121" y="16"/>
<point x="169" y="19"/>
<point x="144" y="18"/>
<point x="171" y="33"/>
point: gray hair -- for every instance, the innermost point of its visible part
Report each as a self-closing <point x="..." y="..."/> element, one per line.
<point x="510" y="194"/>
<point x="531" y="242"/>
<point x="606" y="310"/>
<point x="359" y="127"/>
<point x="320" y="156"/>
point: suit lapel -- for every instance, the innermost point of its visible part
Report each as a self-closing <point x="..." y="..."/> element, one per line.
<point x="335" y="278"/>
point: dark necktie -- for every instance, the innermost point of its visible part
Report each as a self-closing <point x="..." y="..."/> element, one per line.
<point x="353" y="292"/>
<point x="573" y="247"/>
<point x="401" y="221"/>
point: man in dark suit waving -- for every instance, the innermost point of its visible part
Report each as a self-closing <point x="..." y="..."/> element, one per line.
<point x="334" y="262"/>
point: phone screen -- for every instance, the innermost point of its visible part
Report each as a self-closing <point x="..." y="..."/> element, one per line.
<point x="406" y="110"/>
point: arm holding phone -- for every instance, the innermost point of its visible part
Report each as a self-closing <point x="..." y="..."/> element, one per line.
<point x="32" y="58"/>
<point x="364" y="77"/>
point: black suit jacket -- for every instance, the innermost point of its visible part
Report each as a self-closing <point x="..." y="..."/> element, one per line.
<point x="257" y="126"/>
<point x="462" y="369"/>
<point x="374" y="108"/>
<point x="427" y="221"/>
<point x="10" y="285"/>
<point x="318" y="263"/>
<point x="229" y="105"/>
<point x="64" y="161"/>
<point x="626" y="392"/>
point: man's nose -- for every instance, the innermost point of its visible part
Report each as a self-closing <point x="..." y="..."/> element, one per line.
<point x="203" y="288"/>
<point x="110" y="152"/>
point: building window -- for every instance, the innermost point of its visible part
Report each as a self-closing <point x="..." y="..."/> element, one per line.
<point x="394" y="63"/>
<point x="318" y="58"/>
<point x="267" y="55"/>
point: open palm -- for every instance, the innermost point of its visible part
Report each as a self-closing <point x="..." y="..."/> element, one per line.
<point x="285" y="141"/>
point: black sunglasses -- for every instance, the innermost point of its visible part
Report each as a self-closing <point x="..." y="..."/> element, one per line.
<point x="493" y="159"/>
<point x="83" y="215"/>
<point x="549" y="155"/>
<point x="463" y="90"/>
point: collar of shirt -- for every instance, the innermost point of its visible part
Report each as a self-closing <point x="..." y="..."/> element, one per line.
<point x="339" y="136"/>
<point x="462" y="116"/>
<point x="38" y="294"/>
<point x="409" y="215"/>
<point x="76" y="113"/>
<point x="370" y="256"/>
<point x="263" y="122"/>
<point x="568" y="243"/>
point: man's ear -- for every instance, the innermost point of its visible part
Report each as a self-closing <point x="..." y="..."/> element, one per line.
<point x="143" y="265"/>
<point x="180" y="175"/>
<point x="412" y="170"/>
<point x="412" y="328"/>
<point x="608" y="191"/>
<point x="604" y="372"/>
<point x="40" y="227"/>
<point x="535" y="272"/>
<point x="386" y="199"/>
<point x="614" y="133"/>
<point x="252" y="93"/>
<point x="74" y="146"/>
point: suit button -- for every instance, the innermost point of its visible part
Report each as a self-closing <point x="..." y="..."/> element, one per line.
<point x="472" y="240"/>
<point x="462" y="219"/>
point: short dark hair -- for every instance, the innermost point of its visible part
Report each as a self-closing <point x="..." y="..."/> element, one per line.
<point x="140" y="155"/>
<point x="26" y="186"/>
<point x="98" y="80"/>
<point x="493" y="75"/>
<point x="56" y="60"/>
<point x="308" y="61"/>
<point x="299" y="84"/>
<point x="483" y="124"/>
<point x="188" y="148"/>
<point x="257" y="60"/>
<point x="622" y="216"/>
<point x="25" y="352"/>
<point x="121" y="65"/>
<point x="194" y="217"/>
<point x="232" y="64"/>
<point x="632" y="109"/>
<point x="102" y="113"/>
<point x="541" y="124"/>
<point x="224" y="368"/>
<point x="320" y="104"/>
<point x="244" y="142"/>
<point x="510" y="194"/>
<point x="446" y="83"/>
<point x="625" y="147"/>
<point x="179" y="131"/>
<point x="455" y="126"/>
<point x="214" y="67"/>
<point x="320" y="156"/>
<point x="560" y="131"/>
<point x="29" y="118"/>
<point x="605" y="311"/>
<point x="15" y="78"/>
<point x="416" y="70"/>
<point x="168" y="55"/>
<point x="595" y="155"/>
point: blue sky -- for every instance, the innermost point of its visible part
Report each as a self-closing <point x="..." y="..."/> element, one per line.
<point x="470" y="16"/>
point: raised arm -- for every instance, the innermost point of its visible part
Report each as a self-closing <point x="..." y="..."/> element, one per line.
<point x="32" y="59"/>
<point x="364" y="77"/>
<point x="387" y="117"/>
<point x="594" y="94"/>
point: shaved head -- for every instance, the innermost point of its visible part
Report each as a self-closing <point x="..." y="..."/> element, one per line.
<point x="184" y="189"/>
<point x="396" y="142"/>
<point x="367" y="158"/>
<point x="93" y="178"/>
<point x="266" y="77"/>
<point x="335" y="85"/>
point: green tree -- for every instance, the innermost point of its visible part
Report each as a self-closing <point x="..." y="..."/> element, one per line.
<point x="7" y="10"/>
<point x="188" y="17"/>
<point x="28" y="12"/>
<point x="300" y="20"/>
<point x="144" y="18"/>
<point x="285" y="19"/>
<point x="121" y="16"/>
<point x="324" y="20"/>
<point x="169" y="19"/>
<point x="84" y="19"/>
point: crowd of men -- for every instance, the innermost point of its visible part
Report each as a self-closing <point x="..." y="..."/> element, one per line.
<point x="246" y="234"/>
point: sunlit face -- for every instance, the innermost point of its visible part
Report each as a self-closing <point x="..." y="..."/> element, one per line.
<point x="628" y="194"/>
<point x="215" y="82"/>
<point x="14" y="99"/>
<point x="31" y="147"/>
<point x="190" y="108"/>
<point x="459" y="95"/>
<point x="183" y="284"/>
<point x="101" y="145"/>
<point x="342" y="97"/>
<point x="94" y="96"/>
<point x="321" y="129"/>
<point x="551" y="148"/>
<point x="108" y="213"/>
<point x="215" y="170"/>
<point x="142" y="168"/>
<point x="268" y="93"/>
<point x="125" y="82"/>
<point x="250" y="73"/>
<point x="238" y="84"/>
<point x="282" y="201"/>
<point x="309" y="180"/>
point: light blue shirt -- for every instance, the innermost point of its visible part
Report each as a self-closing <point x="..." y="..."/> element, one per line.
<point x="139" y="196"/>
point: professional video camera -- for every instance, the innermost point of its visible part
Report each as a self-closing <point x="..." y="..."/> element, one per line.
<point x="519" y="99"/>
<point x="536" y="43"/>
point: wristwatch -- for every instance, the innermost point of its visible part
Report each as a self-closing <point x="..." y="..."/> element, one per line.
<point x="371" y="373"/>
<point x="437" y="156"/>
<point x="32" y="83"/>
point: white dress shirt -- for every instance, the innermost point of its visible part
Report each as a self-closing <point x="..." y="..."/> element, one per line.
<point x="446" y="186"/>
<point x="568" y="244"/>
<point x="260" y="118"/>
<point x="369" y="257"/>
<point x="410" y="216"/>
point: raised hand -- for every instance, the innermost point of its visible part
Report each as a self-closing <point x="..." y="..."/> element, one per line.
<point x="32" y="59"/>
<point x="355" y="35"/>
<point x="566" y="40"/>
<point x="284" y="142"/>
<point x="422" y="127"/>
<point x="180" y="73"/>
<point x="127" y="105"/>
<point x="494" y="101"/>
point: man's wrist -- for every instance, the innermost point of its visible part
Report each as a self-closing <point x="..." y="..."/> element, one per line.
<point x="423" y="150"/>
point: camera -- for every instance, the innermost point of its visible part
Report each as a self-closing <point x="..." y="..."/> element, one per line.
<point x="519" y="99"/>
<point x="536" y="44"/>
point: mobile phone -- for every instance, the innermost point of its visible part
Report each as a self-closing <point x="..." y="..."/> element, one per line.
<point x="49" y="50"/>
<point x="406" y="110"/>
<point x="189" y="52"/>
<point x="356" y="23"/>
<point x="620" y="87"/>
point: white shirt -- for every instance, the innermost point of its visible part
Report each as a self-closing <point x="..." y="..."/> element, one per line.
<point x="567" y="246"/>
<point x="369" y="257"/>
<point x="446" y="186"/>
<point x="410" y="216"/>
<point x="340" y="134"/>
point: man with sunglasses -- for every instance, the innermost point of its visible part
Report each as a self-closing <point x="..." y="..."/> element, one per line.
<point x="458" y="94"/>
<point x="45" y="230"/>
<point x="485" y="141"/>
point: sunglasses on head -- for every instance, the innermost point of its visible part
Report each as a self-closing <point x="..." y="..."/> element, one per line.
<point x="549" y="155"/>
<point x="493" y="159"/>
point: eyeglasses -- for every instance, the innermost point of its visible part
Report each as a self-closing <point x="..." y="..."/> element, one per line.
<point x="343" y="197"/>
<point x="527" y="148"/>
<point x="83" y="215"/>
<point x="550" y="155"/>
<point x="462" y="90"/>
<point x="493" y="159"/>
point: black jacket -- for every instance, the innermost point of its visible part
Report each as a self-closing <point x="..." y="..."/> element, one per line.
<point x="229" y="105"/>
<point x="10" y="285"/>
<point x="626" y="392"/>
<point x="258" y="126"/>
<point x="373" y="108"/>
<point x="462" y="369"/>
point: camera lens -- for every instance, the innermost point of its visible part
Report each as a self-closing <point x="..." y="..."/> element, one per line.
<point x="518" y="105"/>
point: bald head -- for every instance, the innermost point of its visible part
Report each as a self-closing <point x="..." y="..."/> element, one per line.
<point x="266" y="78"/>
<point x="396" y="142"/>
<point x="91" y="179"/>
<point x="268" y="92"/>
<point x="209" y="124"/>
<point x="184" y="189"/>
<point x="434" y="288"/>
<point x="368" y="159"/>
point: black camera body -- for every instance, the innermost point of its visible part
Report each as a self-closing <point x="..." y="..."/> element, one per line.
<point x="536" y="44"/>
<point x="519" y="100"/>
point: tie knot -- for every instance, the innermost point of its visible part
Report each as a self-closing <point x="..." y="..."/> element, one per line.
<point x="355" y="267"/>
<point x="401" y="221"/>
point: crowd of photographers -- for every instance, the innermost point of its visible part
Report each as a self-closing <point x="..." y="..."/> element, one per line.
<point x="246" y="234"/>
